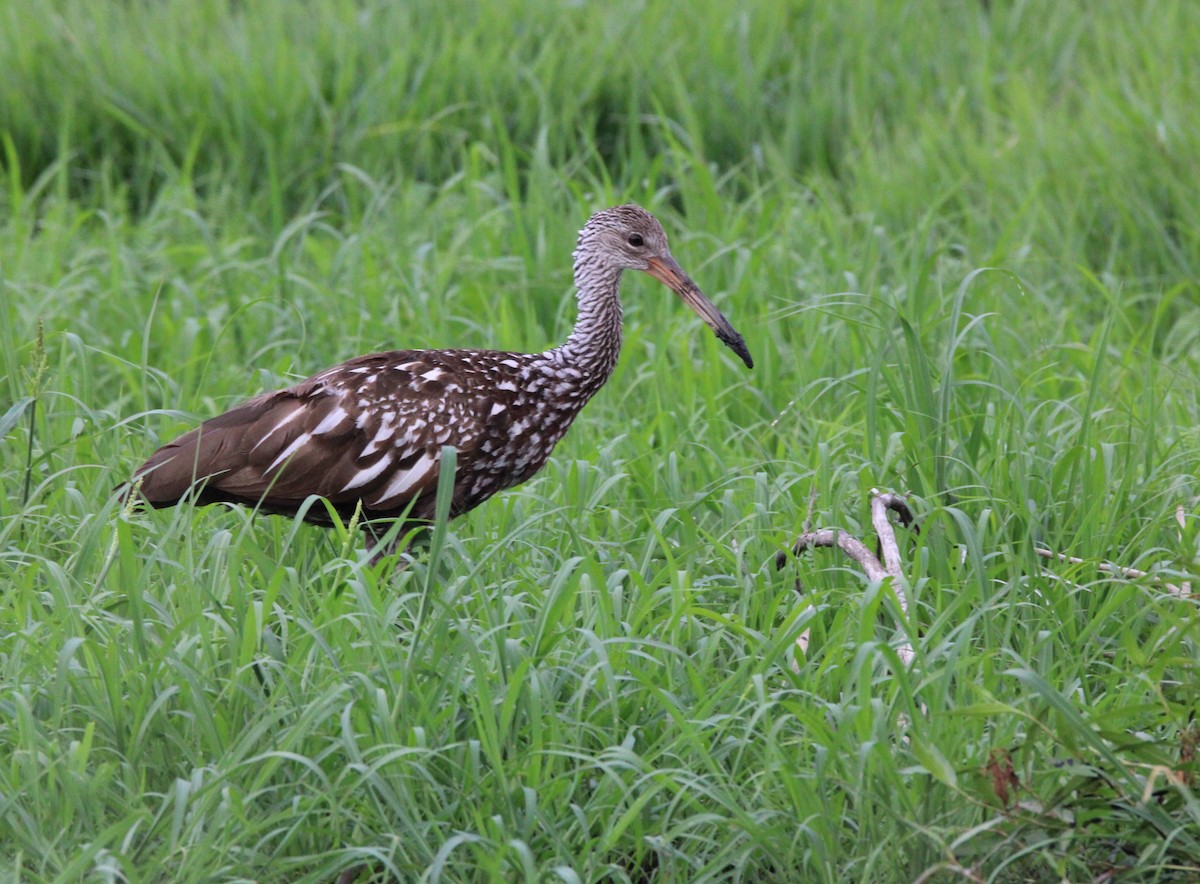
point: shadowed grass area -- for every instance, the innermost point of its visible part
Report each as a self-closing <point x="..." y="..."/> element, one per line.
<point x="960" y="240"/>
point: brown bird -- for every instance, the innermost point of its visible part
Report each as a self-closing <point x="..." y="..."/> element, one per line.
<point x="367" y="435"/>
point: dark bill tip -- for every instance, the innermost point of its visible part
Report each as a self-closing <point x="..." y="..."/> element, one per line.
<point x="737" y="344"/>
<point x="671" y="274"/>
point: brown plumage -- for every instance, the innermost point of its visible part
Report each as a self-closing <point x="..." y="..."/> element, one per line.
<point x="369" y="433"/>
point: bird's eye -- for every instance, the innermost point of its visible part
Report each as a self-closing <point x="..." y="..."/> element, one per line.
<point x="635" y="239"/>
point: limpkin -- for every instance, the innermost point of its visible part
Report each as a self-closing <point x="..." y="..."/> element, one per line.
<point x="367" y="435"/>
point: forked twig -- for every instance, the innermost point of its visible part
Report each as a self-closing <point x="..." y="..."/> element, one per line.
<point x="891" y="566"/>
<point x="848" y="543"/>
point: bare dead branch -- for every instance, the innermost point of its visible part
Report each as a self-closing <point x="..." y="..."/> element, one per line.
<point x="881" y="503"/>
<point x="1116" y="570"/>
<point x="848" y="543"/>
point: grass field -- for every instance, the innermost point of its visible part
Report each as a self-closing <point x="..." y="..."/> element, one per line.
<point x="962" y="241"/>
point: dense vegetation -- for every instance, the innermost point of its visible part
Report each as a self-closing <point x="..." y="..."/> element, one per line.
<point x="961" y="240"/>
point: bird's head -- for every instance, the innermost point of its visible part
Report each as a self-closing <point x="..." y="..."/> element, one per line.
<point x="630" y="238"/>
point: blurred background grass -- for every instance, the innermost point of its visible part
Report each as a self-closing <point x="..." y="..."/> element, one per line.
<point x="960" y="240"/>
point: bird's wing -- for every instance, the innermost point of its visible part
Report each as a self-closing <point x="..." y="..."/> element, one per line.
<point x="369" y="430"/>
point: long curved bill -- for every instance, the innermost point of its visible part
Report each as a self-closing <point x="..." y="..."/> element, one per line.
<point x="666" y="271"/>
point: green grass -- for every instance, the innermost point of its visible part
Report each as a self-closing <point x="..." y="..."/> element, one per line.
<point x="961" y="243"/>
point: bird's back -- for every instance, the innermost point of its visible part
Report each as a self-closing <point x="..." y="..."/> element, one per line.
<point x="370" y="432"/>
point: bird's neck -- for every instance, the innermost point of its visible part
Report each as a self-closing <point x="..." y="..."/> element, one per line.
<point x="594" y="344"/>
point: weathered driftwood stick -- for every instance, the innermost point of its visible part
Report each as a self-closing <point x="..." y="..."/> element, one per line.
<point x="1108" y="568"/>
<point x="881" y="502"/>
<point x="848" y="543"/>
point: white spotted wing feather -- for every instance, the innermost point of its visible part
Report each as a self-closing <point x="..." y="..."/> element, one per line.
<point x="369" y="430"/>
